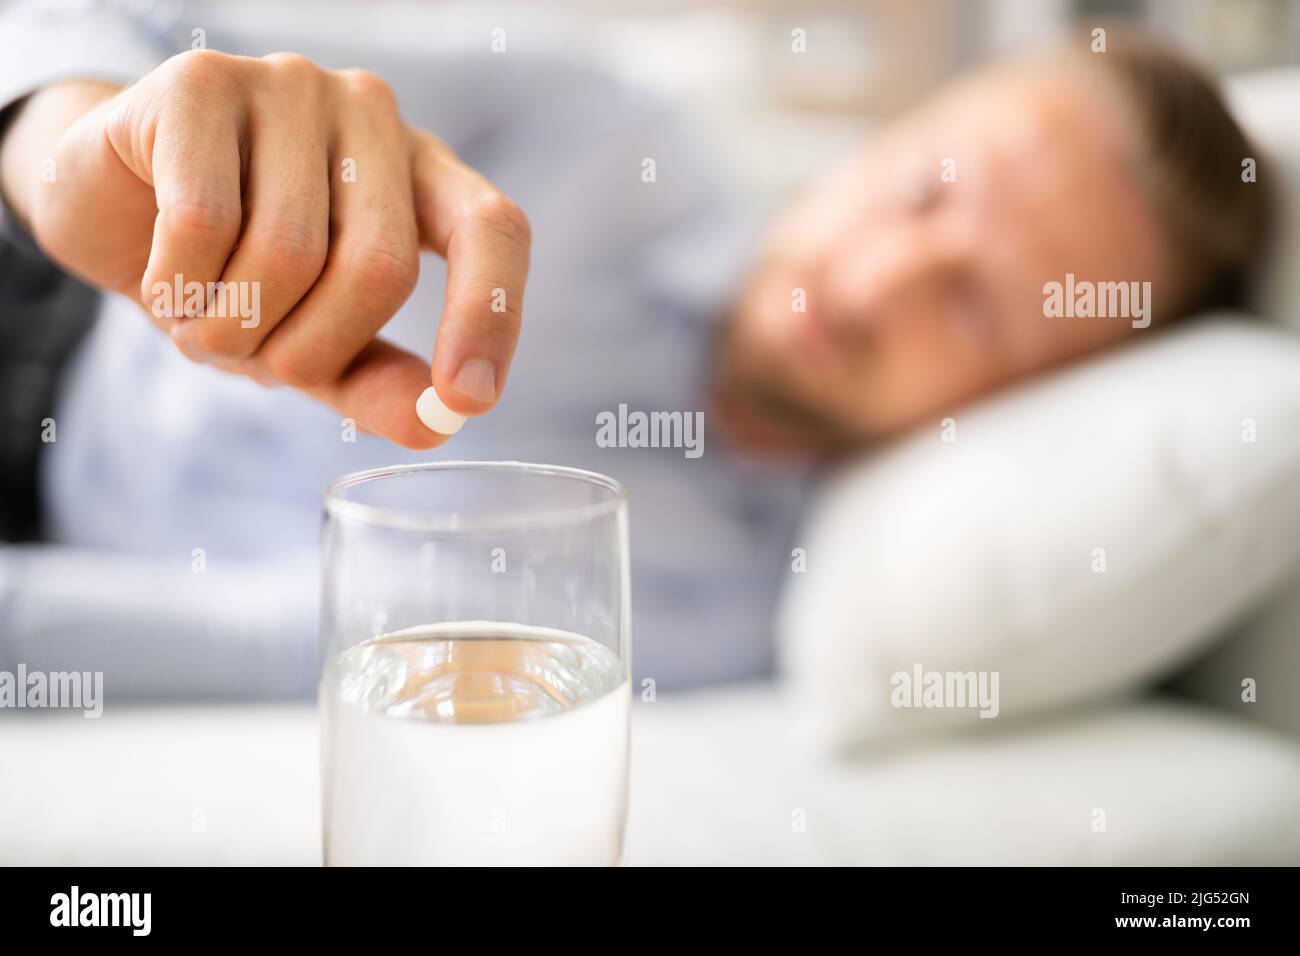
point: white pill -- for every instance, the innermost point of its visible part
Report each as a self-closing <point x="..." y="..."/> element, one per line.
<point x="435" y="415"/>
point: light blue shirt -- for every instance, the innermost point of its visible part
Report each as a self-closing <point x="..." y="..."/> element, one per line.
<point x="156" y="457"/>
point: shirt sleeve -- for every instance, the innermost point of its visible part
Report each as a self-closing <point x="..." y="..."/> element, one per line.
<point x="42" y="43"/>
<point x="163" y="626"/>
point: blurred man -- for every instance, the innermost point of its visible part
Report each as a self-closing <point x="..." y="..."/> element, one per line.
<point x="183" y="502"/>
<point x="926" y="259"/>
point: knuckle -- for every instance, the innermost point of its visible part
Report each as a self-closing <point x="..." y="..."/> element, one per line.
<point x="290" y="249"/>
<point x="384" y="272"/>
<point x="213" y="338"/>
<point x="369" y="87"/>
<point x="288" y="368"/>
<point x="200" y="69"/>
<point x="501" y="214"/>
<point x="296" y="72"/>
<point x="204" y="219"/>
<point x="292" y="64"/>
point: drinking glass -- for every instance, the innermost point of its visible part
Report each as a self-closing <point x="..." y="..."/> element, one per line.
<point x="475" y="666"/>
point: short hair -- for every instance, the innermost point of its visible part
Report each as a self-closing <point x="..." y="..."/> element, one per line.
<point x="1217" y="223"/>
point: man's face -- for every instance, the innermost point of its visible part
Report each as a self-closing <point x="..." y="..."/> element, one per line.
<point x="922" y="260"/>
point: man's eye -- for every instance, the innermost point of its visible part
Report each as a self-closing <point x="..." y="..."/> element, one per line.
<point x="981" y="324"/>
<point x="921" y="192"/>
<point x="917" y="182"/>
<point x="974" y="314"/>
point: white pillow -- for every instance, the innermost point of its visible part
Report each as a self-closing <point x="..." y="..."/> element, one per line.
<point x="981" y="554"/>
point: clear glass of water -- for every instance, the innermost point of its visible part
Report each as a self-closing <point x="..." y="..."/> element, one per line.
<point x="475" y="666"/>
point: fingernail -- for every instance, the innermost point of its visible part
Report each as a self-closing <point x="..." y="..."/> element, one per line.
<point x="437" y="416"/>
<point x="477" y="379"/>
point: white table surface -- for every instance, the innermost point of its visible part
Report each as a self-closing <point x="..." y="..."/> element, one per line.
<point x="722" y="777"/>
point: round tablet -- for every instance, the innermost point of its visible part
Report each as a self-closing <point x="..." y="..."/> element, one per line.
<point x="435" y="415"/>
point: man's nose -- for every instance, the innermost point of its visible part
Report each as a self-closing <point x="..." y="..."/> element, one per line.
<point x="879" y="278"/>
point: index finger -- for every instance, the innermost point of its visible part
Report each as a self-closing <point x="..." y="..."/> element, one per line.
<point x="485" y="239"/>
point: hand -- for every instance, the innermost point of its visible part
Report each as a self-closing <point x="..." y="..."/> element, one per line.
<point x="299" y="190"/>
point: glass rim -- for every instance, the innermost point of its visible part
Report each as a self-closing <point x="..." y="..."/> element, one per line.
<point x="337" y="505"/>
